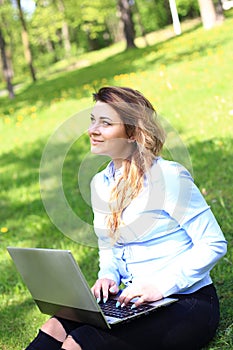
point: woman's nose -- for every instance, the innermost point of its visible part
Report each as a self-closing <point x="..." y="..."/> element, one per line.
<point x="94" y="129"/>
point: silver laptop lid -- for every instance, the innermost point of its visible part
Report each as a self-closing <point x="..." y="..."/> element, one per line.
<point x="57" y="284"/>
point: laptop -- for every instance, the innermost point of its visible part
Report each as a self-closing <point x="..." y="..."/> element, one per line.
<point x="59" y="288"/>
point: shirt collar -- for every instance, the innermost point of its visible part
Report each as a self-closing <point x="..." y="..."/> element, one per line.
<point x="110" y="173"/>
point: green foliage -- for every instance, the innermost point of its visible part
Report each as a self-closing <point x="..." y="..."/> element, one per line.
<point x="9" y="23"/>
<point x="157" y="14"/>
<point x="180" y="77"/>
<point x="44" y="25"/>
<point x="154" y="15"/>
<point x="187" y="8"/>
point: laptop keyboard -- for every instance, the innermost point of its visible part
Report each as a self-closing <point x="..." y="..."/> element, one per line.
<point x="109" y="309"/>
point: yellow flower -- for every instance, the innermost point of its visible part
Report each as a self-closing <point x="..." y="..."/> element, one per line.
<point x="204" y="191"/>
<point x="7" y="120"/>
<point x="86" y="87"/>
<point x="19" y="118"/>
<point x="4" y="229"/>
<point x="104" y="81"/>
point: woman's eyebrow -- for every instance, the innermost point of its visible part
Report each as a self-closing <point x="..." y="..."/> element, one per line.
<point x="102" y="117"/>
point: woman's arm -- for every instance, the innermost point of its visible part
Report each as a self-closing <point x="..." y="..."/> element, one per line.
<point x="188" y="207"/>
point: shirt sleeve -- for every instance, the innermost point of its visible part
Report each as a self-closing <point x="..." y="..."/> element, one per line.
<point x="108" y="267"/>
<point x="186" y="205"/>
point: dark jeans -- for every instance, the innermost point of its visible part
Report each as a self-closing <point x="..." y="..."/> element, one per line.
<point x="188" y="324"/>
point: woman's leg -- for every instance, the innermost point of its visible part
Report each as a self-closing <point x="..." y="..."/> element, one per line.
<point x="189" y="324"/>
<point x="91" y="338"/>
<point x="55" y="329"/>
<point x="44" y="341"/>
<point x="70" y="344"/>
<point x="52" y="334"/>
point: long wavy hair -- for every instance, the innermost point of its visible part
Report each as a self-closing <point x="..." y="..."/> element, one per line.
<point x="141" y="125"/>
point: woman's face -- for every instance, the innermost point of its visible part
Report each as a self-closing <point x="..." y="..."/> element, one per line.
<point x="107" y="133"/>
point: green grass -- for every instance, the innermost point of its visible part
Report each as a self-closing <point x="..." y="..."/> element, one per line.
<point x="188" y="79"/>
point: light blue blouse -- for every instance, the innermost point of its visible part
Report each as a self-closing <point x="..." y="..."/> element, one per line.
<point x="169" y="234"/>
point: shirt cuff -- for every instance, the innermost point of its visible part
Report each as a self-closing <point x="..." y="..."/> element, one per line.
<point x="111" y="276"/>
<point x="167" y="287"/>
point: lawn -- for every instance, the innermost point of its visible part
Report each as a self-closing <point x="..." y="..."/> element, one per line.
<point x="188" y="78"/>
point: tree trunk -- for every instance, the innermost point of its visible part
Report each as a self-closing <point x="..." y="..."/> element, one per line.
<point x="7" y="71"/>
<point x="168" y="11"/>
<point x="219" y="11"/>
<point x="25" y="40"/>
<point x="175" y="17"/>
<point x="142" y="29"/>
<point x="208" y="13"/>
<point x="65" y="28"/>
<point x="126" y="17"/>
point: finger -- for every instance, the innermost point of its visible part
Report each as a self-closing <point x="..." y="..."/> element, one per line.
<point x="113" y="288"/>
<point x="97" y="295"/>
<point x="96" y="290"/>
<point x="127" y="296"/>
<point x="105" y="290"/>
<point x="138" y="302"/>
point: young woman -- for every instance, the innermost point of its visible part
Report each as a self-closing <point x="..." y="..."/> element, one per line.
<point x="156" y="235"/>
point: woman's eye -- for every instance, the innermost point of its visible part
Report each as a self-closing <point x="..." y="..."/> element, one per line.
<point x="105" y="123"/>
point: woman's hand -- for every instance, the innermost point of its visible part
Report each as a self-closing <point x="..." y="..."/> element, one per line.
<point x="103" y="287"/>
<point x="145" y="292"/>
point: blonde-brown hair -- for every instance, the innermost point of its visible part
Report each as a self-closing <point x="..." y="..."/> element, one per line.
<point x="141" y="124"/>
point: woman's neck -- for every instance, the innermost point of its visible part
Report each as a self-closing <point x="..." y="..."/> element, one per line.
<point x="117" y="163"/>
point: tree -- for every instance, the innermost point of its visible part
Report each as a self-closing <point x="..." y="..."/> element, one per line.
<point x="208" y="14"/>
<point x="219" y="11"/>
<point x="6" y="61"/>
<point x="126" y="17"/>
<point x="7" y="72"/>
<point x="65" y="28"/>
<point x="25" y="40"/>
<point x="46" y="35"/>
<point x="95" y="18"/>
<point x="142" y="28"/>
<point x="175" y="17"/>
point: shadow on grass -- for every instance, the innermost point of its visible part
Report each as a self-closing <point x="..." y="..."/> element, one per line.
<point x="213" y="172"/>
<point x="21" y="202"/>
<point x="14" y="322"/>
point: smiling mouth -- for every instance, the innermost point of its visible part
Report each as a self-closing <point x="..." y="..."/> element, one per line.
<point x="96" y="142"/>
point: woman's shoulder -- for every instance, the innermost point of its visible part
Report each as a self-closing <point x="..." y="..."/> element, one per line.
<point x="169" y="168"/>
<point x="98" y="177"/>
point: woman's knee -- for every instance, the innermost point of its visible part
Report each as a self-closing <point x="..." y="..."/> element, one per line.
<point x="70" y="344"/>
<point x="54" y="328"/>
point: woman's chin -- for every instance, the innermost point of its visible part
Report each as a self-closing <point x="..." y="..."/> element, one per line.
<point x="97" y="150"/>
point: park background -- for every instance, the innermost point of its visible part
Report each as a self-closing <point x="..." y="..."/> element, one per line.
<point x="187" y="77"/>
